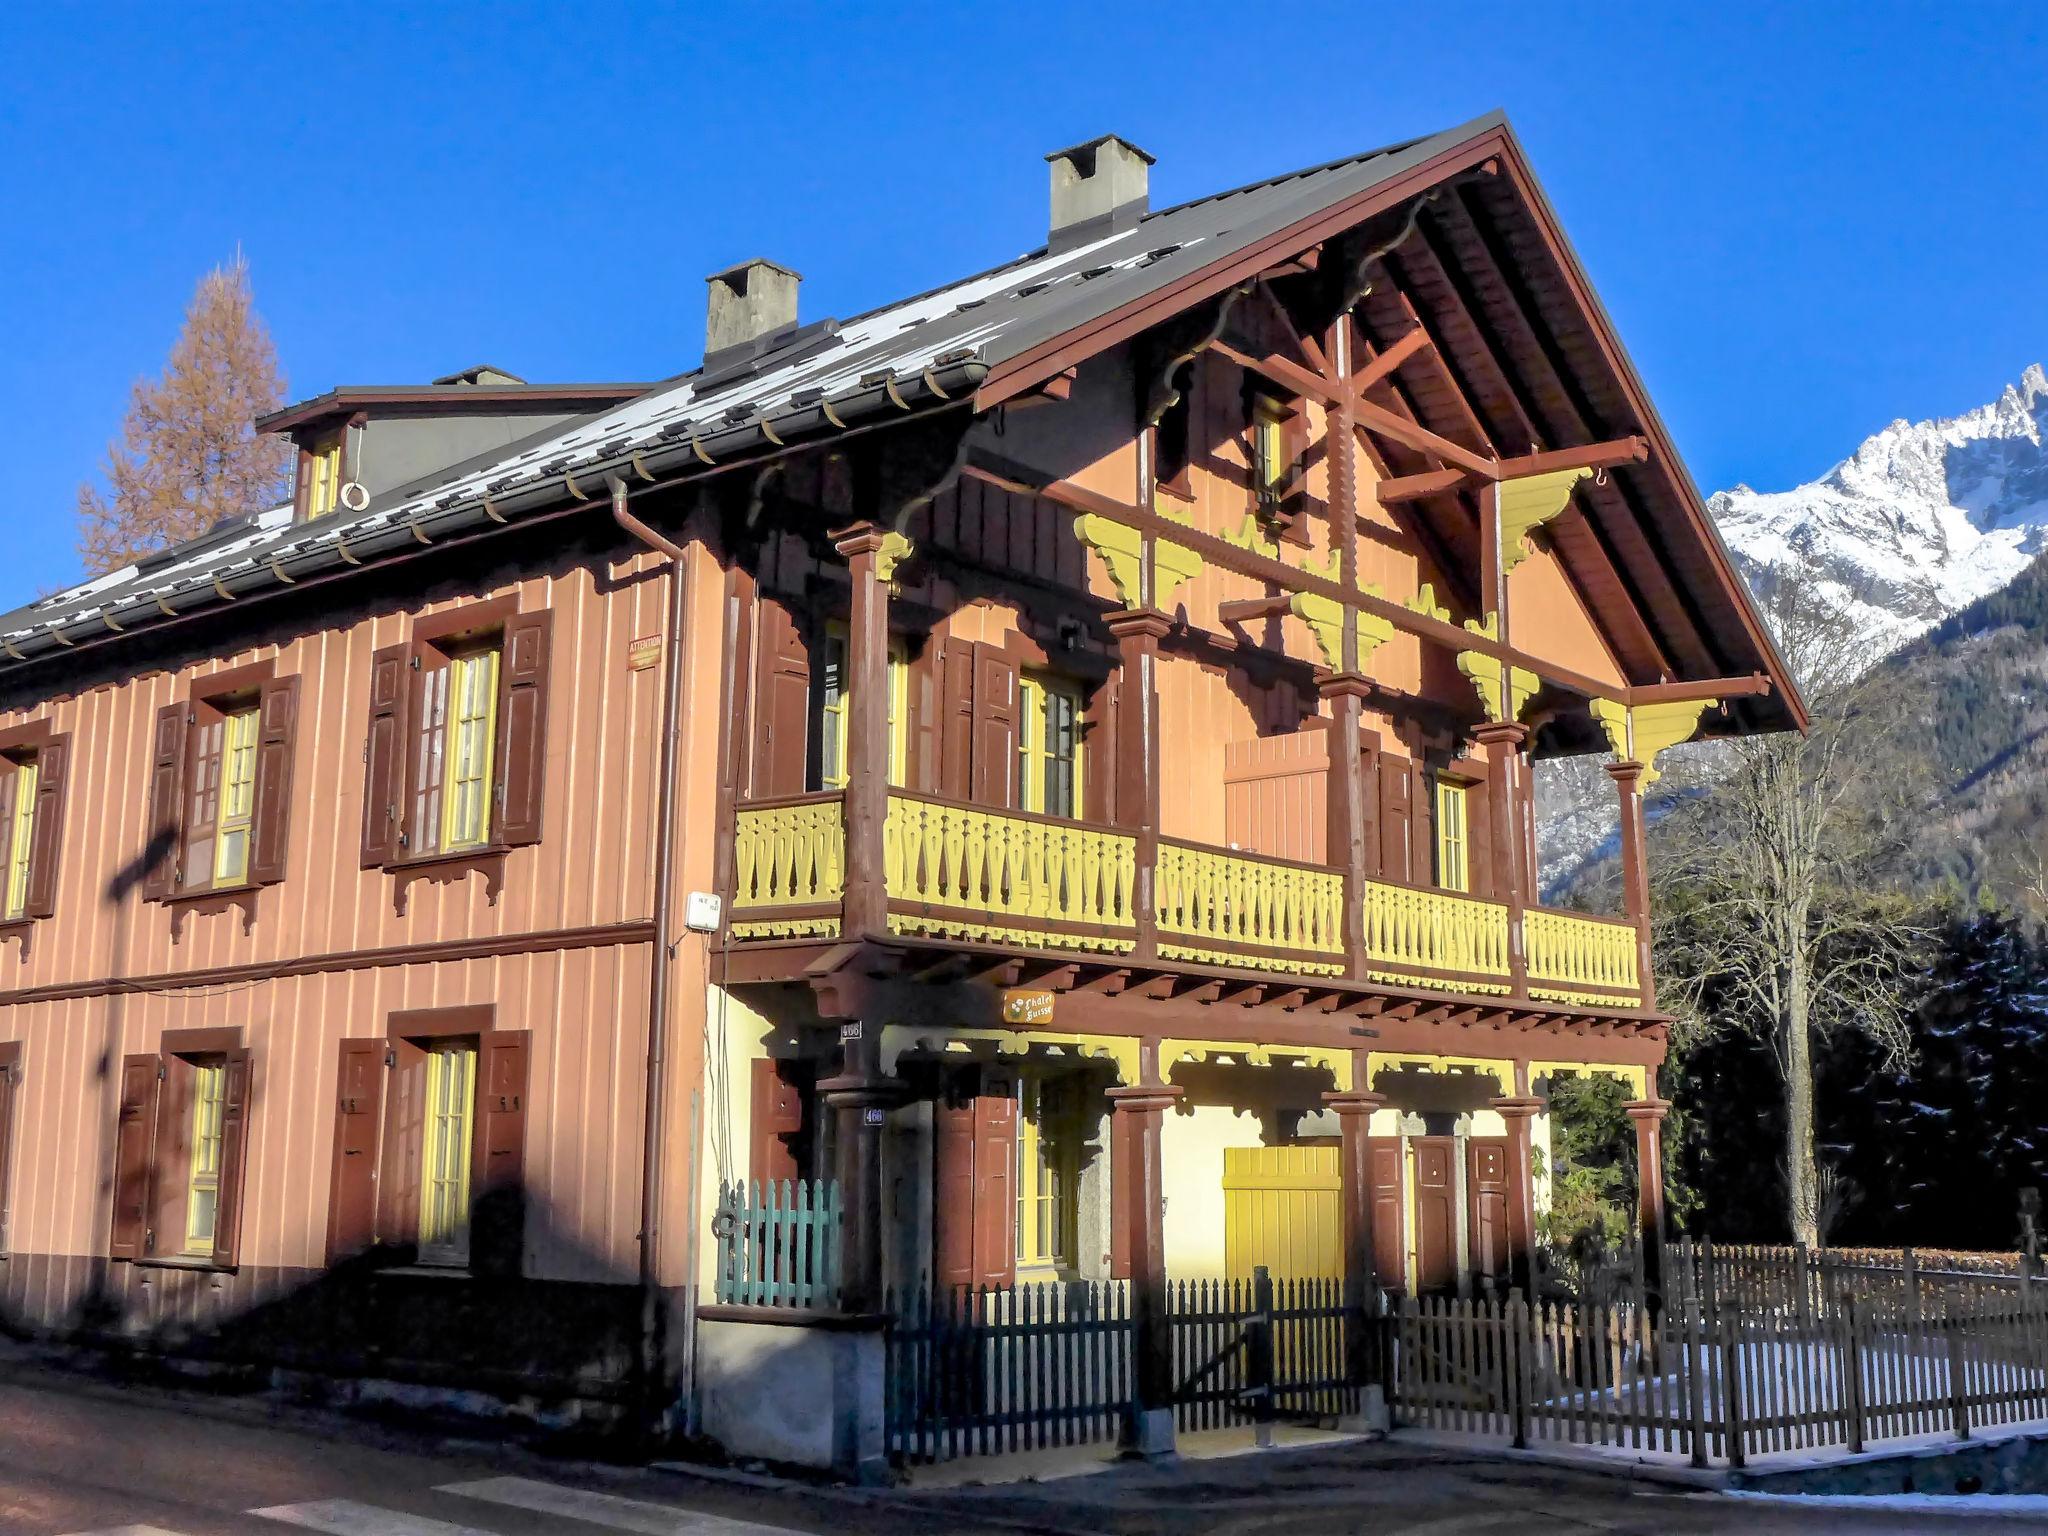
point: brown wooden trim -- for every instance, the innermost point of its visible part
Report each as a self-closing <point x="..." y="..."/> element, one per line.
<point x="485" y="613"/>
<point x="793" y="1317"/>
<point x="600" y="936"/>
<point x="210" y="900"/>
<point x="446" y="869"/>
<point x="22" y="930"/>
<point x="981" y="917"/>
<point x="437" y="1023"/>
<point x="10" y="1054"/>
<point x="1009" y="812"/>
<point x="29" y="733"/>
<point x="777" y="802"/>
<point x="210" y="1041"/>
<point x="1249" y="858"/>
<point x="231" y="680"/>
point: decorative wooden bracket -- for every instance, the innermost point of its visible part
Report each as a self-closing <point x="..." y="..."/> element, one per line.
<point x="1122" y="549"/>
<point x="1336" y="1060"/>
<point x="1639" y="734"/>
<point x="1324" y="617"/>
<point x="895" y="549"/>
<point x="1527" y="504"/>
<point x="1424" y="602"/>
<point x="1505" y="690"/>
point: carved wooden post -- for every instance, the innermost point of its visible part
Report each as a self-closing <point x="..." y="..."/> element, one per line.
<point x="859" y="1100"/>
<point x="1648" y="1115"/>
<point x="1137" y="632"/>
<point x="1635" y="868"/>
<point x="1150" y="1430"/>
<point x="1512" y="883"/>
<point x="1517" y="1110"/>
<point x="1353" y="1108"/>
<point x="872" y="555"/>
<point x="1350" y="849"/>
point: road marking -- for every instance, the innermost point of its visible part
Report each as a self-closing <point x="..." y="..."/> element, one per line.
<point x="635" y="1515"/>
<point x="345" y="1517"/>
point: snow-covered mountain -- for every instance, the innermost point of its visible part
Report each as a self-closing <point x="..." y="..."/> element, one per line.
<point x="1922" y="519"/>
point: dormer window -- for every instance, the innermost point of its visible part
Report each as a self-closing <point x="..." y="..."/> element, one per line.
<point x="1272" y="457"/>
<point x="319" y="477"/>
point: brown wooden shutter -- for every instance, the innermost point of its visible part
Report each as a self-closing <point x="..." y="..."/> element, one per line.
<point x="358" y="1119"/>
<point x="10" y="1111"/>
<point x="953" y="1194"/>
<point x="523" y="727"/>
<point x="1099" y="752"/>
<point x="166" y="800"/>
<point x="995" y="1189"/>
<point x="134" y="1142"/>
<point x="1481" y="869"/>
<point x="1486" y="1186"/>
<point x="782" y="703"/>
<point x="1422" y="822"/>
<point x="46" y="844"/>
<point x="1124" y="1150"/>
<point x="995" y="727"/>
<point x="170" y="1167"/>
<point x="384" y="754"/>
<point x="277" y="715"/>
<point x="1396" y="845"/>
<point x="234" y="1156"/>
<point x="925" y="725"/>
<point x="777" y="1114"/>
<point x="404" y="1148"/>
<point x="497" y="1226"/>
<point x="956" y="719"/>
<point x="1389" y="1256"/>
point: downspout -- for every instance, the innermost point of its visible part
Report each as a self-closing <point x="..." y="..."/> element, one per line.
<point x="651" y="1140"/>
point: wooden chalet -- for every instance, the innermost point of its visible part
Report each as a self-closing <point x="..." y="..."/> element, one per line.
<point x="1031" y="782"/>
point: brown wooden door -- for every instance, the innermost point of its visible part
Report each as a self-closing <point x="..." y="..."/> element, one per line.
<point x="1432" y="1161"/>
<point x="1486" y="1195"/>
<point x="1389" y="1230"/>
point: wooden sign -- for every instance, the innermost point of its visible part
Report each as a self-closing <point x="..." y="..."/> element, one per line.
<point x="643" y="653"/>
<point x="1027" y="1007"/>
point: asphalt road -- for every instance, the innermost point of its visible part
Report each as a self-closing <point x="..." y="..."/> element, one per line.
<point x="81" y="1456"/>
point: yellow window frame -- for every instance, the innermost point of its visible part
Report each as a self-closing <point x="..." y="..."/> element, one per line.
<point x="1046" y="1173"/>
<point x="202" y="1198"/>
<point x="22" y="814"/>
<point x="833" y="693"/>
<point x="1269" y="442"/>
<point x="237" y="813"/>
<point x="1453" y="836"/>
<point x="445" y="1158"/>
<point x="323" y="478"/>
<point x="1035" y="750"/>
<point x="472" y="749"/>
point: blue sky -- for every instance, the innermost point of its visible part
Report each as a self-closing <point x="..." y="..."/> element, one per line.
<point x="1806" y="220"/>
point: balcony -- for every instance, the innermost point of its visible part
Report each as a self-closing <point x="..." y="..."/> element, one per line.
<point x="1041" y="883"/>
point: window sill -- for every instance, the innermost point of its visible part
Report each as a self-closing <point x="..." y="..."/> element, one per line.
<point x="446" y="869"/>
<point x="185" y="1261"/>
<point x="21" y="929"/>
<point x="426" y="1272"/>
<point x="210" y="900"/>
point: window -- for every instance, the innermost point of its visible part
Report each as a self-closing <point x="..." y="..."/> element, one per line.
<point x="1271" y="459"/>
<point x="1049" y="747"/>
<point x="444" y="1173"/>
<point x="456" y="754"/>
<point x="32" y="760"/>
<point x="1453" y="844"/>
<point x="834" y="691"/>
<point x="180" y="1148"/>
<point x="1047" y="1125"/>
<point x="220" y="785"/>
<point x="202" y="1205"/>
<point x="322" y="474"/>
<point x="429" y="1142"/>
<point x="18" y="805"/>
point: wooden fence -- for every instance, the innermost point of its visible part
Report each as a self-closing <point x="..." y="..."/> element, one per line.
<point x="976" y="1373"/>
<point x="778" y="1243"/>
<point x="1745" y="1354"/>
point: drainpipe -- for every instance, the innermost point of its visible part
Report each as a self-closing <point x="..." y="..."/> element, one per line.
<point x="657" y="986"/>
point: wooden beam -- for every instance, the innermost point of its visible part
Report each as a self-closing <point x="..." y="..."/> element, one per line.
<point x="1397" y="353"/>
<point x="1620" y="450"/>
<point x="1243" y="610"/>
<point x="1288" y="375"/>
<point x="1377" y="418"/>
<point x="1756" y="685"/>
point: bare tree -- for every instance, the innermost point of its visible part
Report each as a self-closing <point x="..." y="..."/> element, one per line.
<point x="1777" y="916"/>
<point x="188" y="456"/>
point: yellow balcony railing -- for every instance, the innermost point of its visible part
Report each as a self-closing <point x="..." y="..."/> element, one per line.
<point x="1007" y="876"/>
<point x="1462" y="940"/>
<point x="789" y="865"/>
<point x="1577" y="958"/>
<point x="1213" y="898"/>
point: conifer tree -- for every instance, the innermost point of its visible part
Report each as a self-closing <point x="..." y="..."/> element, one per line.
<point x="188" y="456"/>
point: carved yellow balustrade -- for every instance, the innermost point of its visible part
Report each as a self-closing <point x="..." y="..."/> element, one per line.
<point x="1572" y="958"/>
<point x="1063" y="884"/>
<point x="789" y="858"/>
<point x="1406" y="928"/>
<point x="1218" y="898"/>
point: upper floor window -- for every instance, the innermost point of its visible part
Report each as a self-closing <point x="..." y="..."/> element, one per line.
<point x="32" y="760"/>
<point x="833" y="691"/>
<point x="1049" y="746"/>
<point x="220" y="784"/>
<point x="1272" y="454"/>
<point x="1453" y="837"/>
<point x="320" y="474"/>
<point x="456" y="751"/>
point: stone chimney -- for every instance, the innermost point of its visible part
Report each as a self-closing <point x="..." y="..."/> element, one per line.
<point x="1098" y="188"/>
<point x="752" y="303"/>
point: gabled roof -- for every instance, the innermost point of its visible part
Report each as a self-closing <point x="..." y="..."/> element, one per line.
<point x="989" y="336"/>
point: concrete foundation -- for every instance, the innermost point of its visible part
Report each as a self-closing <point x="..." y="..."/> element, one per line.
<point x="795" y="1388"/>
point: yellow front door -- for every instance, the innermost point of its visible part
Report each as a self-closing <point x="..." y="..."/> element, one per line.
<point x="1281" y="1208"/>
